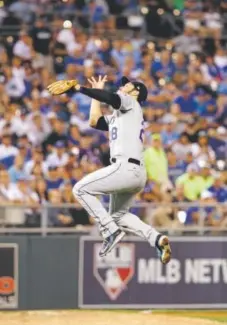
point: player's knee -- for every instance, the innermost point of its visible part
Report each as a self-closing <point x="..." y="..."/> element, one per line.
<point x="77" y="190"/>
<point x="118" y="215"/>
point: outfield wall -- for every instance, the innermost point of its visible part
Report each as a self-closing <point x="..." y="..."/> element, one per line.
<point x="66" y="272"/>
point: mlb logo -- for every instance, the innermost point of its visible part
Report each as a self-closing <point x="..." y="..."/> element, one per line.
<point x="116" y="269"/>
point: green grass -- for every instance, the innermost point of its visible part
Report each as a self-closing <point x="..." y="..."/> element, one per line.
<point x="218" y="315"/>
<point x="215" y="315"/>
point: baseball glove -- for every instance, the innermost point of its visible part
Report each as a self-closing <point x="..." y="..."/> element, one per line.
<point x="61" y="86"/>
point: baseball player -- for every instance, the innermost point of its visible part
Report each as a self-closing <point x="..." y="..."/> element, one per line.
<point x="126" y="175"/>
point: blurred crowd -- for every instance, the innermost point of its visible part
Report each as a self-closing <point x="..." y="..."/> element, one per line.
<point x="46" y="144"/>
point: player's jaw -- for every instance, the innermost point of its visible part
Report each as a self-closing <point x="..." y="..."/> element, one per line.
<point x="129" y="89"/>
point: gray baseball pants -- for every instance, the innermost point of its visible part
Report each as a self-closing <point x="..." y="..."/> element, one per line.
<point x="121" y="180"/>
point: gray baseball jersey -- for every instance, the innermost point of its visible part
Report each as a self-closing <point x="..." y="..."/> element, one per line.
<point x="126" y="129"/>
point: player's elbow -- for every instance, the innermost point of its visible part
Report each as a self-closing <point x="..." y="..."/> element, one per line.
<point x="93" y="120"/>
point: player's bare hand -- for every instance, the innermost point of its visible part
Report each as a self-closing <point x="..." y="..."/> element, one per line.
<point x="99" y="83"/>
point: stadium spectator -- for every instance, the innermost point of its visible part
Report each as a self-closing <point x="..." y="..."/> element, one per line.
<point x="25" y="193"/>
<point x="8" y="190"/>
<point x="210" y="70"/>
<point x="189" y="159"/>
<point x="207" y="178"/>
<point x="156" y="161"/>
<point x="163" y="68"/>
<point x="53" y="178"/>
<point x="175" y="166"/>
<point x="182" y="147"/>
<point x="218" y="188"/>
<point x="7" y="150"/>
<point x="191" y="129"/>
<point x="188" y="42"/>
<point x="180" y="64"/>
<point x="23" y="47"/>
<point x="16" y="171"/>
<point x="6" y="121"/>
<point x="193" y="217"/>
<point x="37" y="158"/>
<point x="41" y="190"/>
<point x="179" y="196"/>
<point x="211" y="215"/>
<point x="37" y="171"/>
<point x="38" y="129"/>
<point x="165" y="217"/>
<point x="152" y="192"/>
<point x="190" y="182"/>
<point x="186" y="101"/>
<point x="42" y="36"/>
<point x="23" y="9"/>
<point x="78" y="214"/>
<point x="26" y="196"/>
<point x="74" y="135"/>
<point x="201" y="150"/>
<point x="58" y="217"/>
<point x="59" y="157"/>
<point x="58" y="134"/>
<point x="19" y="123"/>
<point x="169" y="134"/>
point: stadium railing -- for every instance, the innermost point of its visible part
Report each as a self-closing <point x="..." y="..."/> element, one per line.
<point x="10" y="213"/>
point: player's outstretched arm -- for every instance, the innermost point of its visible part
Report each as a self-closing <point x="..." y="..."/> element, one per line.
<point x="63" y="86"/>
<point x="101" y="95"/>
<point x="96" y="117"/>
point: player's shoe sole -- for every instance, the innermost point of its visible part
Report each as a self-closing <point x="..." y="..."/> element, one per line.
<point x="164" y="250"/>
<point x="111" y="242"/>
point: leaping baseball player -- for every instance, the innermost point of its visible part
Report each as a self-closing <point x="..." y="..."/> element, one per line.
<point x="126" y="175"/>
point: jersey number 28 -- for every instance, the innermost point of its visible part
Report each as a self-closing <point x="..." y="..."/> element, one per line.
<point x="114" y="133"/>
<point x="142" y="132"/>
<point x="142" y="135"/>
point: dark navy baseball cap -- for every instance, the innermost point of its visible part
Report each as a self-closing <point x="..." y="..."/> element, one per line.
<point x="139" y="86"/>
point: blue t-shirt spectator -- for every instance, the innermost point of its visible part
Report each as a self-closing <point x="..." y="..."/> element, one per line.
<point x="105" y="56"/>
<point x="7" y="161"/>
<point x="214" y="71"/>
<point x="74" y="60"/>
<point x="98" y="15"/>
<point x="28" y="88"/>
<point x="192" y="215"/>
<point x="54" y="184"/>
<point x="96" y="12"/>
<point x="166" y="70"/>
<point x="16" y="174"/>
<point x="169" y="137"/>
<point x="208" y="109"/>
<point x="45" y="109"/>
<point x="119" y="58"/>
<point x="84" y="103"/>
<point x="187" y="104"/>
<point x="220" y="193"/>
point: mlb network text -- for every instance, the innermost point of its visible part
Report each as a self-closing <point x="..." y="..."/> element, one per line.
<point x="200" y="271"/>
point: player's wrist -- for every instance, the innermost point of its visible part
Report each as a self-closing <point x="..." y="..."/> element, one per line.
<point x="77" y="87"/>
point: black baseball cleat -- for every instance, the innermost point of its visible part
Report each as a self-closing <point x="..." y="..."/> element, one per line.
<point x="163" y="248"/>
<point x="111" y="241"/>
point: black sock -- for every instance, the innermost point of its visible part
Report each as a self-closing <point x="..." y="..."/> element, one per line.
<point x="157" y="240"/>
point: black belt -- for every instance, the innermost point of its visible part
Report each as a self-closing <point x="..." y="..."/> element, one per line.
<point x="130" y="160"/>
